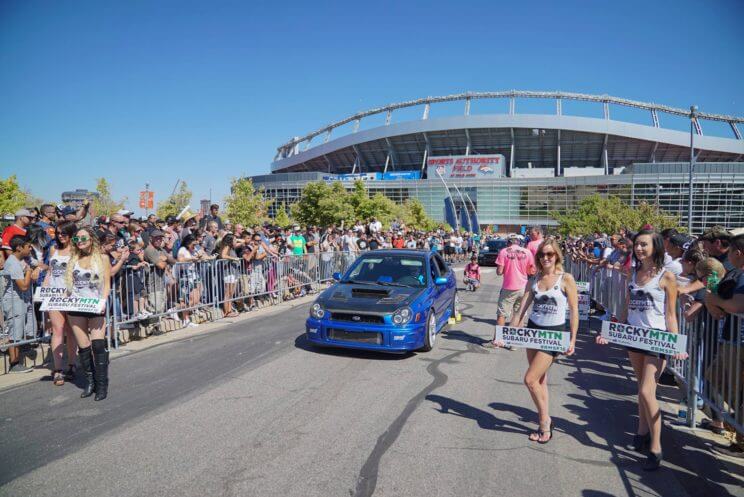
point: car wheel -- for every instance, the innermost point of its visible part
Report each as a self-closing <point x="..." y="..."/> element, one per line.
<point x="430" y="336"/>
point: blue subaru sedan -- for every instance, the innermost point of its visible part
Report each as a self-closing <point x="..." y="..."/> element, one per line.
<point x="388" y="300"/>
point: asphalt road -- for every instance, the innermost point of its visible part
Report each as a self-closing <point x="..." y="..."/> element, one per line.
<point x="253" y="410"/>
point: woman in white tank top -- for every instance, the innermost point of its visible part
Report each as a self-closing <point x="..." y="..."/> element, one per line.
<point x="89" y="276"/>
<point x="61" y="331"/>
<point x="651" y="302"/>
<point x="552" y="294"/>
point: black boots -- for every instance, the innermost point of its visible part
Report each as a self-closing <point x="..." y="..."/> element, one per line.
<point x="86" y="365"/>
<point x="101" y="375"/>
<point x="96" y="377"/>
<point x="101" y="357"/>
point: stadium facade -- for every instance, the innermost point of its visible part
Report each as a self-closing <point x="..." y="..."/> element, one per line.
<point x="517" y="168"/>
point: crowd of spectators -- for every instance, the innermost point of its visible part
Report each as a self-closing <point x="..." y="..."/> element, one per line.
<point x="710" y="279"/>
<point x="181" y="267"/>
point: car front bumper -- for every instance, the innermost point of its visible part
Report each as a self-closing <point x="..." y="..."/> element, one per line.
<point x="366" y="336"/>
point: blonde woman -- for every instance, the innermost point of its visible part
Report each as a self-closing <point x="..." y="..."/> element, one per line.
<point x="59" y="257"/>
<point x="89" y="276"/>
<point x="552" y="293"/>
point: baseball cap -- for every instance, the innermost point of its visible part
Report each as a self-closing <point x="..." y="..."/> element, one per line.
<point x="67" y="210"/>
<point x="716" y="233"/>
<point x="23" y="213"/>
<point x="681" y="241"/>
<point x="156" y="234"/>
<point x="124" y="212"/>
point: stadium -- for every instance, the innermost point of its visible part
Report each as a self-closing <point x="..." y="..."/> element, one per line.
<point x="515" y="168"/>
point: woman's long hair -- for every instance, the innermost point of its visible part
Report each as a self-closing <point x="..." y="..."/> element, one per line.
<point x="96" y="258"/>
<point x="227" y="241"/>
<point x="550" y="242"/>
<point x="67" y="228"/>
<point x="657" y="243"/>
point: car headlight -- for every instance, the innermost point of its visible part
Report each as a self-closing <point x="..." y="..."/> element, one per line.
<point x="317" y="311"/>
<point x="402" y="316"/>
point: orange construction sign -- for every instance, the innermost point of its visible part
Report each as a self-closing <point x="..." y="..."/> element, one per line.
<point x="147" y="200"/>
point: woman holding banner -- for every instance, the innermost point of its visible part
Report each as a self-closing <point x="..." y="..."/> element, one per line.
<point x="59" y="257"/>
<point x="552" y="293"/>
<point x="651" y="302"/>
<point x="89" y="276"/>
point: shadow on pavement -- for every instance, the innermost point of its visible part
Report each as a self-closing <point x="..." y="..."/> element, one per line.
<point x="607" y="422"/>
<point x="461" y="336"/>
<point x="614" y="420"/>
<point x="485" y="419"/>
<point x="301" y="342"/>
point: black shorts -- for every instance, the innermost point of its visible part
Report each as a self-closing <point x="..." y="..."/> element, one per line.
<point x="647" y="352"/>
<point x="449" y="250"/>
<point x="558" y="327"/>
<point x="85" y="314"/>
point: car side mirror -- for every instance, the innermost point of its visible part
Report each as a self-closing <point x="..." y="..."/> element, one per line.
<point x="440" y="281"/>
<point x="336" y="276"/>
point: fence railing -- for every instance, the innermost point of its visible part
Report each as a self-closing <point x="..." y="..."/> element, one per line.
<point x="714" y="369"/>
<point x="149" y="298"/>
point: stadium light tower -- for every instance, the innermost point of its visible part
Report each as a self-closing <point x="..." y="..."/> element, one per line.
<point x="693" y="117"/>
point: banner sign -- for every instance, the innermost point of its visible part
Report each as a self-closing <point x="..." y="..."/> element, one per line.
<point x="398" y="175"/>
<point x="527" y="338"/>
<point x="74" y="304"/>
<point x="43" y="293"/>
<point x="584" y="301"/>
<point x="642" y="338"/>
<point x="466" y="166"/>
<point x="353" y="177"/>
<point x="389" y="176"/>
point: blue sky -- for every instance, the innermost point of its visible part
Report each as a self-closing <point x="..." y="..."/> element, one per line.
<point x="153" y="91"/>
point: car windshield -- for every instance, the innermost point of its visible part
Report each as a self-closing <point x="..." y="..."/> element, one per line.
<point x="495" y="245"/>
<point x="392" y="270"/>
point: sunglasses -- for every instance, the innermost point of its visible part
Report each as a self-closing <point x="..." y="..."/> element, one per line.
<point x="546" y="255"/>
<point x="78" y="239"/>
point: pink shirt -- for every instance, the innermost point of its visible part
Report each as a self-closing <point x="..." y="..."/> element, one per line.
<point x="517" y="263"/>
<point x="534" y="245"/>
<point x="472" y="271"/>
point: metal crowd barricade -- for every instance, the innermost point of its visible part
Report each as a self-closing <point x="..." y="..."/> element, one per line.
<point x="21" y="324"/>
<point x="203" y="290"/>
<point x="714" y="369"/>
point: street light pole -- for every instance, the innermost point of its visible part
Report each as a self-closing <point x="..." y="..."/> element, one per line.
<point x="693" y="117"/>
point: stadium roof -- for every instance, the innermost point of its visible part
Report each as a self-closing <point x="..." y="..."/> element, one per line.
<point x="540" y="140"/>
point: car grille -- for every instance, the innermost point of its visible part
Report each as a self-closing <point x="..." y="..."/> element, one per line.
<point x="357" y="318"/>
<point x="355" y="336"/>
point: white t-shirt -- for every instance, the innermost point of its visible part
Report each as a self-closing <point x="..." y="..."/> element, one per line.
<point x="674" y="266"/>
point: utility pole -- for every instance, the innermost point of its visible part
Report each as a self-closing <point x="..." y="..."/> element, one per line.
<point x="147" y="199"/>
<point x="693" y="117"/>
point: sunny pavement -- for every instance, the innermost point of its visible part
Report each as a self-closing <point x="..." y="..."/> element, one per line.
<point x="253" y="410"/>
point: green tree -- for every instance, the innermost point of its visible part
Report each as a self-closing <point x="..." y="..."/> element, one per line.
<point x="12" y="197"/>
<point x="414" y="216"/>
<point x="104" y="204"/>
<point x="323" y="204"/>
<point x="245" y="204"/>
<point x="608" y="214"/>
<point x="282" y="218"/>
<point x="174" y="204"/>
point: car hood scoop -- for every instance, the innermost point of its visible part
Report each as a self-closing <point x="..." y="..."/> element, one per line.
<point x="369" y="293"/>
<point x="367" y="298"/>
